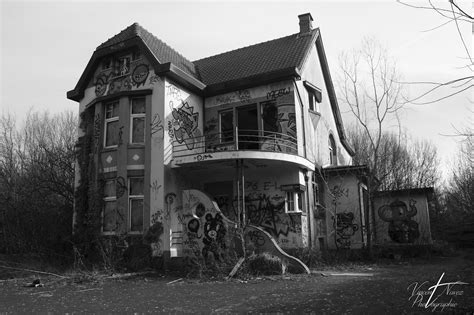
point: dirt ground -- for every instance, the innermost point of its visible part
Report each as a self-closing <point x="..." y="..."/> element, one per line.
<point x="395" y="287"/>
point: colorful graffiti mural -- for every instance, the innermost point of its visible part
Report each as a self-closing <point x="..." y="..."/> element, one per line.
<point x="345" y="228"/>
<point x="401" y="229"/>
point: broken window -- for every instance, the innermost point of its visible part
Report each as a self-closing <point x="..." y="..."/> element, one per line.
<point x="227" y="126"/>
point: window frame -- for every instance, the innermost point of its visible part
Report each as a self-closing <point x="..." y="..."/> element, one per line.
<point x="107" y="121"/>
<point x="138" y="115"/>
<point x="222" y="140"/>
<point x="108" y="199"/>
<point x="294" y="198"/>
<point x="132" y="198"/>
<point x="314" y="97"/>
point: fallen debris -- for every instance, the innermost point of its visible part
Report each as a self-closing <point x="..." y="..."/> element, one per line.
<point x="35" y="271"/>
<point x="174" y="281"/>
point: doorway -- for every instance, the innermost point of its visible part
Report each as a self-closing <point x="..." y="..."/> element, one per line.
<point x="247" y="122"/>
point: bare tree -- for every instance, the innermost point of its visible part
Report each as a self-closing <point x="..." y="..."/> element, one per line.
<point x="369" y="88"/>
<point x="403" y="163"/>
<point x="452" y="13"/>
<point x="36" y="181"/>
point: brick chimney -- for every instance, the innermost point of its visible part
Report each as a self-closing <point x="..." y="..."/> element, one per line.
<point x="305" y="23"/>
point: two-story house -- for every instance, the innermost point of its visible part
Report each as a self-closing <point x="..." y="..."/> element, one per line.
<point x="252" y="134"/>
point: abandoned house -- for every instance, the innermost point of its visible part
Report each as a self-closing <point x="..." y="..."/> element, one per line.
<point x="251" y="135"/>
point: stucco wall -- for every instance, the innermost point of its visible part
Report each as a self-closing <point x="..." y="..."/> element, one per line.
<point x="320" y="126"/>
<point x="344" y="218"/>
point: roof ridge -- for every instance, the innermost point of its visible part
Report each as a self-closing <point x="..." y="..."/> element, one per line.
<point x="162" y="42"/>
<point x="245" y="47"/>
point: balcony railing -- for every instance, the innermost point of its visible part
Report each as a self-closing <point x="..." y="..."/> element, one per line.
<point x="237" y="140"/>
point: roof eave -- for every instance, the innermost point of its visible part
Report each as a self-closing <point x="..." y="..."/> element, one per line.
<point x="251" y="81"/>
<point x="176" y="74"/>
<point x="332" y="95"/>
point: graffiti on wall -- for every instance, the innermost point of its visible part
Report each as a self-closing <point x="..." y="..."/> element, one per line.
<point x="156" y="126"/>
<point x="183" y="127"/>
<point x="120" y="186"/>
<point x="401" y="229"/>
<point x="110" y="83"/>
<point x="214" y="236"/>
<point x="345" y="228"/>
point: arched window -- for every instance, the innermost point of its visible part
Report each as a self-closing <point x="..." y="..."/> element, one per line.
<point x="332" y="151"/>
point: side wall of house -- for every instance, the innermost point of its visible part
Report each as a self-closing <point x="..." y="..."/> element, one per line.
<point x="319" y="123"/>
<point x="345" y="218"/>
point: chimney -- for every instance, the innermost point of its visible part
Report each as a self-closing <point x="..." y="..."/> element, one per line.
<point x="305" y="23"/>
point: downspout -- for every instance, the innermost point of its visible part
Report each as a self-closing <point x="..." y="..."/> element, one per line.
<point x="302" y="117"/>
<point x="308" y="212"/>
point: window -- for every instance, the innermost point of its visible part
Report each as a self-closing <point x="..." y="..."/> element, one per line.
<point x="111" y="124"/>
<point x="294" y="201"/>
<point x="332" y="151"/>
<point x="227" y="126"/>
<point x="122" y="66"/>
<point x="137" y="123"/>
<point x="314" y="96"/>
<point x="109" y="219"/>
<point x="313" y="102"/>
<point x="135" y="196"/>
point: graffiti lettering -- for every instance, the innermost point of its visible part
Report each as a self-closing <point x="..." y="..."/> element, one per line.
<point x="173" y="92"/>
<point x="225" y="99"/>
<point x="154" y="79"/>
<point x="156" y="125"/>
<point x="278" y="93"/>
<point x="256" y="238"/>
<point x="244" y="96"/>
<point x="203" y="157"/>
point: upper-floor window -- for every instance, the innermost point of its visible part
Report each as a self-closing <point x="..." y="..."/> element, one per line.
<point x="314" y="96"/>
<point x="332" y="151"/>
<point x="106" y="63"/>
<point x="315" y="187"/>
<point x="137" y="120"/>
<point x="226" y="122"/>
<point x="122" y="66"/>
<point x="110" y="216"/>
<point x="111" y="124"/>
<point x="135" y="196"/>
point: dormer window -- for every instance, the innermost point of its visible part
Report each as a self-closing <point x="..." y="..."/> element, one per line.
<point x="314" y="96"/>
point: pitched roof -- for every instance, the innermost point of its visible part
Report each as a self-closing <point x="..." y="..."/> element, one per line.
<point x="267" y="57"/>
<point x="160" y="49"/>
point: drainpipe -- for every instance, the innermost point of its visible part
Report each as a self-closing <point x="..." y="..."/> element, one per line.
<point x="308" y="211"/>
<point x="302" y="117"/>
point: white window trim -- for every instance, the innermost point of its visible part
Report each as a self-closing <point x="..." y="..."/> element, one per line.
<point x="140" y="115"/>
<point x="109" y="120"/>
<point x="135" y="197"/>
<point x="296" y="197"/>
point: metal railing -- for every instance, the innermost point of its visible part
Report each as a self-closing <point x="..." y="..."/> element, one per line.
<point x="236" y="140"/>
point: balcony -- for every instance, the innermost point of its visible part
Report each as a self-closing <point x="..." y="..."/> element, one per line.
<point x="237" y="144"/>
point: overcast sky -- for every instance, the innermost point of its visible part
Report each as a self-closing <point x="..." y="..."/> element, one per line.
<point x="45" y="46"/>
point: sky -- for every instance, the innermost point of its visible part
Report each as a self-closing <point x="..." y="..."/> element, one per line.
<point x="45" y="46"/>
